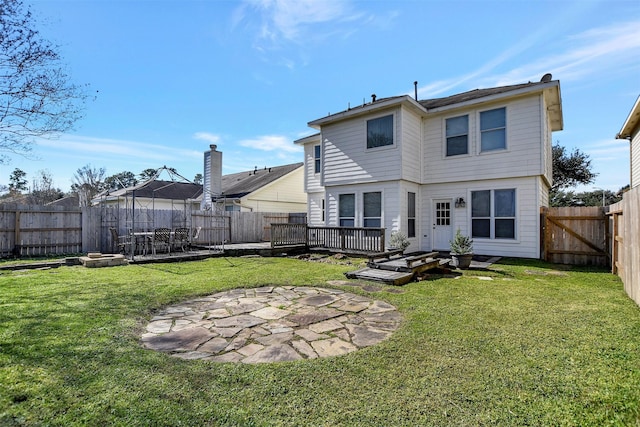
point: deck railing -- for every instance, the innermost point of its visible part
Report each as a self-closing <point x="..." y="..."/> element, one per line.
<point x="348" y="239"/>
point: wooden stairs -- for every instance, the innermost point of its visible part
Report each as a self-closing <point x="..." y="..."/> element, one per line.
<point x="394" y="268"/>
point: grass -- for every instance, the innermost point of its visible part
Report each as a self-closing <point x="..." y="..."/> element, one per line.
<point x="537" y="345"/>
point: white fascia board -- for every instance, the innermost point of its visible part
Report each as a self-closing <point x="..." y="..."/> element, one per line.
<point x="315" y="138"/>
<point x="368" y="108"/>
<point x="631" y="123"/>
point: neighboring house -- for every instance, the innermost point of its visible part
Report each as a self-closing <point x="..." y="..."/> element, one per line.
<point x="479" y="161"/>
<point x="267" y="189"/>
<point x="274" y="189"/>
<point x="153" y="194"/>
<point x="631" y="131"/>
<point x="270" y="189"/>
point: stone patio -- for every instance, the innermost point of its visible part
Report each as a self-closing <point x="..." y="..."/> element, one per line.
<point x="271" y="324"/>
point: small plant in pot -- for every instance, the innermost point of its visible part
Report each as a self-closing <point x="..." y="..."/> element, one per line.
<point x="461" y="250"/>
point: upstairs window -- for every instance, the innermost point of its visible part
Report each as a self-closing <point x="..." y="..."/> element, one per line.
<point x="380" y="132"/>
<point x="347" y="210"/>
<point x="493" y="129"/>
<point x="372" y="209"/>
<point x="316" y="159"/>
<point x="457" y="135"/>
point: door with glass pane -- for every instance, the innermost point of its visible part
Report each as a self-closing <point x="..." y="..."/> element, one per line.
<point x="442" y="228"/>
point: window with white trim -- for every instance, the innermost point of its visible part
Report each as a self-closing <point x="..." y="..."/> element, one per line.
<point x="380" y="131"/>
<point x="316" y="159"/>
<point x="493" y="214"/>
<point x="347" y="210"/>
<point x="457" y="134"/>
<point x="493" y="129"/>
<point x="372" y="209"/>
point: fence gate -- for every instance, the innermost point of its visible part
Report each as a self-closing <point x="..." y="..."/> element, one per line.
<point x="575" y="235"/>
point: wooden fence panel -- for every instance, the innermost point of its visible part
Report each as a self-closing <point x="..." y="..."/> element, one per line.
<point x="42" y="230"/>
<point x="575" y="235"/>
<point x="625" y="242"/>
<point x="39" y="230"/>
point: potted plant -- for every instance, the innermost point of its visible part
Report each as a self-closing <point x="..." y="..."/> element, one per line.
<point x="461" y="250"/>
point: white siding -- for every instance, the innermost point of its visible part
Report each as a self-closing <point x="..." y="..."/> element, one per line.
<point x="311" y="179"/>
<point x="411" y="145"/>
<point x="635" y="158"/>
<point x="348" y="161"/>
<point x="547" y="151"/>
<point x="521" y="158"/>
<point x="527" y="242"/>
<point x="314" y="210"/>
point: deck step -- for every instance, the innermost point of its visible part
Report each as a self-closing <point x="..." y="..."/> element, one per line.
<point x="389" y="277"/>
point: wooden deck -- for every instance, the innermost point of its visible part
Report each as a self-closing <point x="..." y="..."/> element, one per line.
<point x="394" y="268"/>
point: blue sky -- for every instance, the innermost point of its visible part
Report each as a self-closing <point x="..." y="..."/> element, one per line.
<point x="172" y="77"/>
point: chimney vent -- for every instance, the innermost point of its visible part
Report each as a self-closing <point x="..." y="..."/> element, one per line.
<point x="373" y="97"/>
<point x="415" y="89"/>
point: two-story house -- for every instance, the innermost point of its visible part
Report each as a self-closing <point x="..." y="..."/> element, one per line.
<point x="478" y="161"/>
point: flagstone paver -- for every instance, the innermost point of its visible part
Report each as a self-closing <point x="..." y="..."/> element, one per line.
<point x="271" y="324"/>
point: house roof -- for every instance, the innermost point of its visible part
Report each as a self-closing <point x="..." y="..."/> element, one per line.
<point x="242" y="183"/>
<point x="632" y="122"/>
<point x="158" y="189"/>
<point x="465" y="98"/>
<point x="471" y="95"/>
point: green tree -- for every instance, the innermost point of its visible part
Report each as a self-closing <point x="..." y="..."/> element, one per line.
<point x="37" y="98"/>
<point x="569" y="170"/>
<point x="148" y="174"/>
<point x="197" y="179"/>
<point x="120" y="180"/>
<point x="17" y="181"/>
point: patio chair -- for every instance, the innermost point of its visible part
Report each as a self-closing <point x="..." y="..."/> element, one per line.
<point x="122" y="243"/>
<point x="181" y="238"/>
<point x="196" y="233"/>
<point x="161" y="239"/>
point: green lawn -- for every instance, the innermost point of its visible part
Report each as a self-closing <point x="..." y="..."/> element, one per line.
<point x="537" y="345"/>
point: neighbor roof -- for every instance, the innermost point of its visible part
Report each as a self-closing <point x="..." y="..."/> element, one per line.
<point x="156" y="189"/>
<point x="242" y="183"/>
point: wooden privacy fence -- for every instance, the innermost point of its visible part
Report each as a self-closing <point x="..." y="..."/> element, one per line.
<point x="575" y="235"/>
<point x="346" y="239"/>
<point x="625" y="242"/>
<point x="33" y="231"/>
<point x="42" y="231"/>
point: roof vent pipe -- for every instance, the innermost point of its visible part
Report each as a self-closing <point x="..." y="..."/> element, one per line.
<point x="415" y="89"/>
<point x="373" y="97"/>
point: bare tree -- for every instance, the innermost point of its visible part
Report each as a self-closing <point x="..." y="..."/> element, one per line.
<point x="43" y="190"/>
<point x="87" y="183"/>
<point x="37" y="98"/>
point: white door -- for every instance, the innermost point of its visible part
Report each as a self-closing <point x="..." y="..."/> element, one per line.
<point x="442" y="229"/>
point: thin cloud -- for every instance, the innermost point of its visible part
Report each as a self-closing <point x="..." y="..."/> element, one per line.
<point x="276" y="143"/>
<point x="585" y="54"/>
<point x="116" y="148"/>
<point x="206" y="136"/>
<point x="277" y="24"/>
